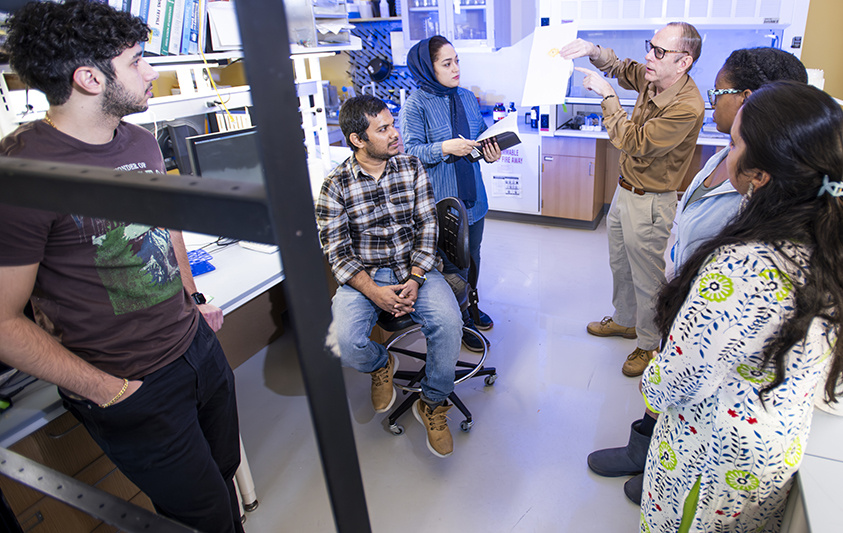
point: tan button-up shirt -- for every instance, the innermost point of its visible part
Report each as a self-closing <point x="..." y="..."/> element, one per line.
<point x="657" y="143"/>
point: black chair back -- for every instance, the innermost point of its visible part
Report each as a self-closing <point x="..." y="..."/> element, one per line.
<point x="453" y="231"/>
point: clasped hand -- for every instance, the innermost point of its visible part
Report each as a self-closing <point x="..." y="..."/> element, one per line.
<point x="397" y="299"/>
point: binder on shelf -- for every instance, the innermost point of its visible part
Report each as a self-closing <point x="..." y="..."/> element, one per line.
<point x="168" y="26"/>
<point x="176" y="28"/>
<point x="190" y="27"/>
<point x="155" y="21"/>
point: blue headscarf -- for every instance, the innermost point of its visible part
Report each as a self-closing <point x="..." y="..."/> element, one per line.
<point x="421" y="67"/>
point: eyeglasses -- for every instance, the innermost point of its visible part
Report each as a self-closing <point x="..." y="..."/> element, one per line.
<point x="714" y="93"/>
<point x="659" y="52"/>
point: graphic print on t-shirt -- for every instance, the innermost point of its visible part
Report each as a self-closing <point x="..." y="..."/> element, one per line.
<point x="136" y="263"/>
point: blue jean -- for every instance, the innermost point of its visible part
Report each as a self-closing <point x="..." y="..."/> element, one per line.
<point x="177" y="437"/>
<point x="437" y="312"/>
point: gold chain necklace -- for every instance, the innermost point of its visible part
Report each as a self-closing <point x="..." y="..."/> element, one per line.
<point x="48" y="121"/>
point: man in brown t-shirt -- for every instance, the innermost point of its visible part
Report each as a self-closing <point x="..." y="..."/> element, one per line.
<point x="135" y="358"/>
<point x="656" y="146"/>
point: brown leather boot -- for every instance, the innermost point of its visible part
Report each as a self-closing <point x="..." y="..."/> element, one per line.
<point x="439" y="440"/>
<point x="608" y="328"/>
<point x="636" y="362"/>
<point x="383" y="393"/>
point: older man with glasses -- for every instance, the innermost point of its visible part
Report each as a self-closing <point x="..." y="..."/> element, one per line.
<point x="656" y="145"/>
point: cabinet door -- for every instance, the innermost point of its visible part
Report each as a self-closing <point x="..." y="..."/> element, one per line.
<point x="466" y="23"/>
<point x="470" y="22"/>
<point x="422" y="19"/>
<point x="567" y="186"/>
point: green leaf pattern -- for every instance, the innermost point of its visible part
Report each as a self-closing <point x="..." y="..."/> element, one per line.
<point x="706" y="380"/>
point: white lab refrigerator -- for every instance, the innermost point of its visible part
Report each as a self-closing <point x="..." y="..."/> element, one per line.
<point x="512" y="183"/>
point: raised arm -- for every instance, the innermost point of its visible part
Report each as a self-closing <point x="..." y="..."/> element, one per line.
<point x="656" y="137"/>
<point x="30" y="349"/>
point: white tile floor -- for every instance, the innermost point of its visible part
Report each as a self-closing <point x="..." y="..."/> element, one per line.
<point x="522" y="468"/>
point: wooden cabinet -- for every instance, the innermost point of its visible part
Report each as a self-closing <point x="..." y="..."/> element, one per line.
<point x="571" y="178"/>
<point x="64" y="445"/>
<point x="612" y="162"/>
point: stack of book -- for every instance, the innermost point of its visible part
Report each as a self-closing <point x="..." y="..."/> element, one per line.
<point x="175" y="24"/>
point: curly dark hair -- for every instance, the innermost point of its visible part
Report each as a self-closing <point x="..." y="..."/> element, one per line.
<point x="750" y="68"/>
<point x="47" y="42"/>
<point x="354" y="113"/>
<point x="793" y="132"/>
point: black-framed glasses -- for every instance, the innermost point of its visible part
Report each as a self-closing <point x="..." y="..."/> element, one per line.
<point x="714" y="93"/>
<point x="658" y="51"/>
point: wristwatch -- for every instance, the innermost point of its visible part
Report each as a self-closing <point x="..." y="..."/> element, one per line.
<point x="418" y="279"/>
<point x="199" y="298"/>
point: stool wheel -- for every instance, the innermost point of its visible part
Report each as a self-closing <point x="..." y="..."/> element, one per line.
<point x="490" y="379"/>
<point x="465" y="425"/>
<point x="396" y="429"/>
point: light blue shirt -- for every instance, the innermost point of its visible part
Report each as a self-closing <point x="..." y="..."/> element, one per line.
<point x="703" y="219"/>
<point x="425" y="123"/>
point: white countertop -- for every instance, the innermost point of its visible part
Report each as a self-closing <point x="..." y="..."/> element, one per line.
<point x="705" y="139"/>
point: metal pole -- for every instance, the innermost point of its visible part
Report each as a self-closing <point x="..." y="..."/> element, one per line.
<point x="263" y="29"/>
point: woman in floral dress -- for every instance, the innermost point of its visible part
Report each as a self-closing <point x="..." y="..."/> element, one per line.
<point x="749" y="324"/>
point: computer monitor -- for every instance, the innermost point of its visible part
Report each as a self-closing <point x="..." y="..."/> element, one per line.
<point x="173" y="142"/>
<point x="227" y="155"/>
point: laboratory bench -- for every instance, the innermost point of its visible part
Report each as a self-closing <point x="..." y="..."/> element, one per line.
<point x="567" y="178"/>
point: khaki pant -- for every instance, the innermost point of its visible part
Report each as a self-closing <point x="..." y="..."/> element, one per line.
<point x="639" y="228"/>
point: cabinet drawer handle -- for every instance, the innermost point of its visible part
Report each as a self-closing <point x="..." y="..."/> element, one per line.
<point x="63" y="433"/>
<point x="591" y="169"/>
<point x="30" y="523"/>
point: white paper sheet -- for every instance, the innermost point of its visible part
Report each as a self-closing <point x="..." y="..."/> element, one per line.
<point x="506" y="186"/>
<point x="547" y="73"/>
<point x="222" y="19"/>
<point x="508" y="123"/>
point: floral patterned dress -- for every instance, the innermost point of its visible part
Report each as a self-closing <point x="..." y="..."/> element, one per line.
<point x="706" y="380"/>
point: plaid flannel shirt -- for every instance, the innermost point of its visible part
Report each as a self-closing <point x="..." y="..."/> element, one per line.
<point x="368" y="224"/>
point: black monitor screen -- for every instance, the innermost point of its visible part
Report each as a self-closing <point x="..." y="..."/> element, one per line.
<point x="228" y="155"/>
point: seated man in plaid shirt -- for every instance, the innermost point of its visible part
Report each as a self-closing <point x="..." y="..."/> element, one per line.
<point x="378" y="229"/>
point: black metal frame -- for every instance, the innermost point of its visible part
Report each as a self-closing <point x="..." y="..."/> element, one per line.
<point x="283" y="214"/>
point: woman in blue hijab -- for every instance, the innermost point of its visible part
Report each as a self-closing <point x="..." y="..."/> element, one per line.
<point x="438" y="124"/>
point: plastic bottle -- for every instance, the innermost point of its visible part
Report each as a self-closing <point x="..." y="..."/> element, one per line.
<point x="498" y="112"/>
<point x="365" y="8"/>
<point x="534" y="117"/>
<point x="393" y="106"/>
<point x="511" y="109"/>
<point x="384" y="8"/>
<point x="349" y="92"/>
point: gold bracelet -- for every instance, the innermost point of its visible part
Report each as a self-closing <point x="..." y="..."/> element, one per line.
<point x="119" y="394"/>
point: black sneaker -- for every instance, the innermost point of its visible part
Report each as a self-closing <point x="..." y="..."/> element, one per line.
<point x="470" y="340"/>
<point x="485" y="322"/>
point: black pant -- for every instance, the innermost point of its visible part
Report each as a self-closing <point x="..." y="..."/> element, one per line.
<point x="177" y="437"/>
